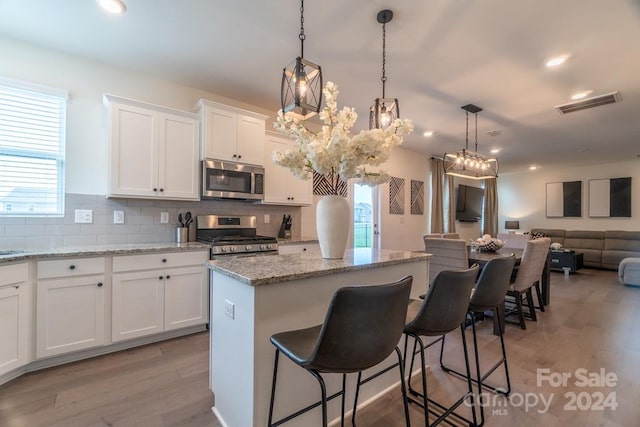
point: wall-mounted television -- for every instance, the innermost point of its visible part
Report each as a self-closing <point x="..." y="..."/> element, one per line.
<point x="469" y="203"/>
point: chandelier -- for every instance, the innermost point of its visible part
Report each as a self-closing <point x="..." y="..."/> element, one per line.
<point x="470" y="164"/>
<point x="301" y="87"/>
<point x="384" y="110"/>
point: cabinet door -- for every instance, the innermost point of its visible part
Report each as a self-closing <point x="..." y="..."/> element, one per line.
<point x="14" y="319"/>
<point x="301" y="191"/>
<point x="250" y="142"/>
<point x="221" y="134"/>
<point x="185" y="297"/>
<point x="276" y="178"/>
<point x="137" y="304"/>
<point x="178" y="157"/>
<point x="133" y="153"/>
<point x="70" y="315"/>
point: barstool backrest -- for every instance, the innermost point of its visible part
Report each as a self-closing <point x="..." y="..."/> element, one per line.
<point x="362" y="327"/>
<point x="445" y="306"/>
<point x="446" y="254"/>
<point x="492" y="285"/>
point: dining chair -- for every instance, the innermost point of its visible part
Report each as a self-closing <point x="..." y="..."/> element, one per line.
<point x="447" y="254"/>
<point x="528" y="276"/>
<point x="451" y="236"/>
<point x="442" y="311"/>
<point x="488" y="295"/>
<point x="362" y="327"/>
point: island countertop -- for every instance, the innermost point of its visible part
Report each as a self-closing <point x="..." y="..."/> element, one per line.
<point x="263" y="270"/>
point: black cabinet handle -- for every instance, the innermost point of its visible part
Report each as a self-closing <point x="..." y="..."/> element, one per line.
<point x="155" y="189"/>
<point x="304" y="249"/>
<point x="72" y="267"/>
<point x="164" y="260"/>
<point x="17" y="286"/>
<point x="161" y="190"/>
<point x="168" y="277"/>
<point x="234" y="156"/>
<point x="100" y="284"/>
<point x="160" y="278"/>
<point x="239" y="156"/>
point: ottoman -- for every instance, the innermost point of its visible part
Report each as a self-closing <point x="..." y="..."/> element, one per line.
<point x="629" y="271"/>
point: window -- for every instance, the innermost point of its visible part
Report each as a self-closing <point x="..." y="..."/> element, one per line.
<point x="32" y="137"/>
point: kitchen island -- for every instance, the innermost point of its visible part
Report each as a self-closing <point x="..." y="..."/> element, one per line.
<point x="253" y="298"/>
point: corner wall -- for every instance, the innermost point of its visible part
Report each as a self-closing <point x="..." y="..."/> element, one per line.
<point x="522" y="197"/>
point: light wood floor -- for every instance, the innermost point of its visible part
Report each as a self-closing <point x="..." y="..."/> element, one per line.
<point x="593" y="323"/>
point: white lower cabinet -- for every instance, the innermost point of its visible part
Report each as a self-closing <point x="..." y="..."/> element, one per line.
<point x="156" y="300"/>
<point x="70" y="314"/>
<point x="14" y="317"/>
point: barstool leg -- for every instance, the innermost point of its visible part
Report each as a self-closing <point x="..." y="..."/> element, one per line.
<point x="405" y="399"/>
<point x="413" y="355"/>
<point x="273" y="386"/>
<point x="478" y="370"/>
<point x="539" y="295"/>
<point x="504" y="354"/>
<point x="468" y="371"/>
<point x="425" y="400"/>
<point x="323" y="390"/>
<point x="355" y="399"/>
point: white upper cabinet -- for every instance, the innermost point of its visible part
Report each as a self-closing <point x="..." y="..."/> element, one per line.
<point x="230" y="133"/>
<point x="281" y="186"/>
<point x="153" y="151"/>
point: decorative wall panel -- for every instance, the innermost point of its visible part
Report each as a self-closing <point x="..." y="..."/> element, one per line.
<point x="396" y="196"/>
<point x="322" y="186"/>
<point x="417" y="197"/>
<point x="610" y="198"/>
<point x="564" y="199"/>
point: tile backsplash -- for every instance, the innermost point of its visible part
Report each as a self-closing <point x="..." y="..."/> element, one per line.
<point x="141" y="222"/>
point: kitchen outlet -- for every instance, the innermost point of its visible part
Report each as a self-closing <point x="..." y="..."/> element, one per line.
<point x="83" y="216"/>
<point x="118" y="217"/>
<point x="229" y="309"/>
<point x="164" y="217"/>
<point x="267" y="218"/>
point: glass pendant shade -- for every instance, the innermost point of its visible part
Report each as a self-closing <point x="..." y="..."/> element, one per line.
<point x="383" y="112"/>
<point x="301" y="88"/>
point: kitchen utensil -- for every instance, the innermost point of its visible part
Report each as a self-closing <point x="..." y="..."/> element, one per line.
<point x="187" y="219"/>
<point x="180" y="220"/>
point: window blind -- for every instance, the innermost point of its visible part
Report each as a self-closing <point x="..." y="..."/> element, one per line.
<point x="32" y="137"/>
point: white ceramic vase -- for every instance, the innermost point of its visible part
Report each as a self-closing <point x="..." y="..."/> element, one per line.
<point x="333" y="220"/>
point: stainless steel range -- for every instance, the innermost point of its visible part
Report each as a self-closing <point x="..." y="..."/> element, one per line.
<point x="233" y="235"/>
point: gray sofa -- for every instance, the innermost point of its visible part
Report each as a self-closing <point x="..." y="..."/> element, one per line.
<point x="601" y="249"/>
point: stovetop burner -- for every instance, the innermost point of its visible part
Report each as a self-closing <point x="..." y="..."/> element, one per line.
<point x="233" y="235"/>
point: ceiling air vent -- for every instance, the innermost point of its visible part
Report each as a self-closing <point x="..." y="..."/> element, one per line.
<point x="583" y="104"/>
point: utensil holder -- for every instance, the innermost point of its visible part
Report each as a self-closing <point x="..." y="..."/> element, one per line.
<point x="182" y="234"/>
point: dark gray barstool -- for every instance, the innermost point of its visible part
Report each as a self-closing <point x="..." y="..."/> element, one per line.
<point x="362" y="328"/>
<point x="444" y="309"/>
<point x="488" y="294"/>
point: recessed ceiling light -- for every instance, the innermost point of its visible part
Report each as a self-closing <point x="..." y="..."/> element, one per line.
<point x="581" y="95"/>
<point x="557" y="60"/>
<point x="533" y="167"/>
<point x="428" y="133"/>
<point x="113" y="6"/>
<point x="495" y="150"/>
<point x="495" y="132"/>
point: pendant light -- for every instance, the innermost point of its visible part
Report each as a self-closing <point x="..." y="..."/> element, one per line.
<point x="301" y="88"/>
<point x="470" y="164"/>
<point x="384" y="110"/>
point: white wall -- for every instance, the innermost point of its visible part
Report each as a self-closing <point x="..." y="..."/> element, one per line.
<point x="522" y="197"/>
<point x="86" y="82"/>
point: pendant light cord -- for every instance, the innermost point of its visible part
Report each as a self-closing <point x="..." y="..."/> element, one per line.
<point x="301" y="36"/>
<point x="466" y="138"/>
<point x="476" y="132"/>
<point x="384" y="57"/>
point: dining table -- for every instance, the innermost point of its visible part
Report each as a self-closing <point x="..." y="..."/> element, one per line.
<point x="481" y="258"/>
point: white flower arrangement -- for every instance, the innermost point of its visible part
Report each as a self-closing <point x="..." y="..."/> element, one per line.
<point x="333" y="151"/>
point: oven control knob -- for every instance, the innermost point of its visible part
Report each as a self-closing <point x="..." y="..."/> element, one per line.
<point x="223" y="249"/>
<point x="248" y="247"/>
<point x="263" y="247"/>
<point x="232" y="248"/>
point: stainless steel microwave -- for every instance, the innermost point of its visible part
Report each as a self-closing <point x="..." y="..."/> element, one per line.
<point x="230" y="180"/>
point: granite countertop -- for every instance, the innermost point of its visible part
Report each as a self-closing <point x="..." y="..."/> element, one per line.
<point x="93" y="250"/>
<point x="263" y="270"/>
<point x="297" y="240"/>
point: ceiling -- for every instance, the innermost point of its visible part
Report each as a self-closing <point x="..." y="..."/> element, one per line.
<point x="441" y="54"/>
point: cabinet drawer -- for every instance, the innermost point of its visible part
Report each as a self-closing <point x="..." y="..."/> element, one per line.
<point x="12" y="274"/>
<point x="70" y="267"/>
<point x="159" y="260"/>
